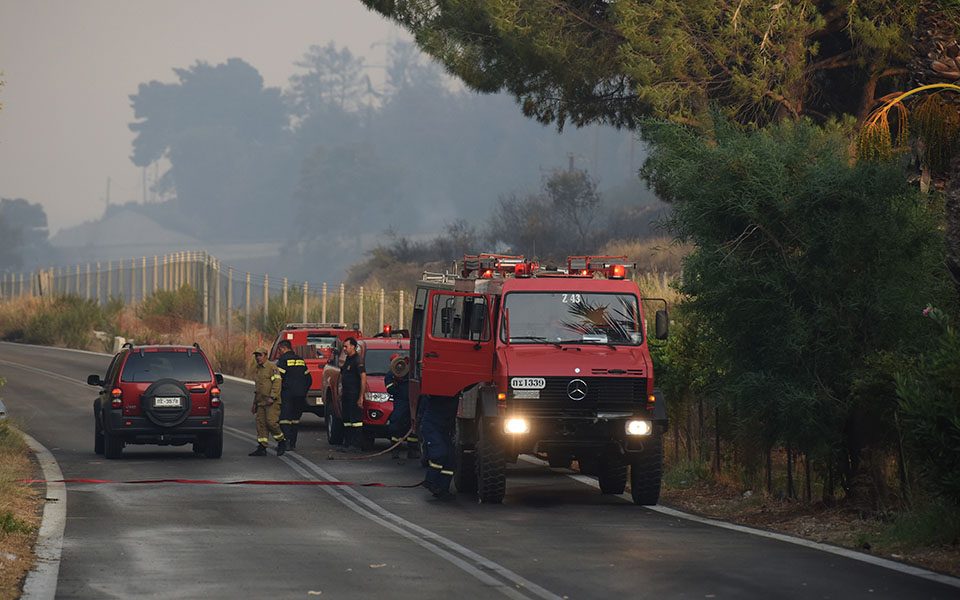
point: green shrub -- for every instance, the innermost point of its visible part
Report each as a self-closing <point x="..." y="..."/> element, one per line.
<point x="64" y="320"/>
<point x="164" y="310"/>
<point x="930" y="410"/>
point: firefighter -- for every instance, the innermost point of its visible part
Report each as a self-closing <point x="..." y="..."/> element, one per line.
<point x="295" y="383"/>
<point x="439" y="419"/>
<point x="353" y="378"/>
<point x="266" y="404"/>
<point x="398" y="386"/>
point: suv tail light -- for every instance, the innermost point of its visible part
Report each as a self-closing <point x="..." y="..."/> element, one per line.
<point x="116" y="398"/>
<point x="215" y="397"/>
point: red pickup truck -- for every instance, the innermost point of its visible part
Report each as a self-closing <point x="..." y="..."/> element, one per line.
<point x="315" y="343"/>
<point x="377" y="403"/>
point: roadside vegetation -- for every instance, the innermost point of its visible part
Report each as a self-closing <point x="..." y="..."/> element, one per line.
<point x="20" y="510"/>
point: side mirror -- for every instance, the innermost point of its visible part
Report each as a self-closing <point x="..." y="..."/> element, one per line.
<point x="95" y="380"/>
<point x="219" y="378"/>
<point x="663" y="325"/>
<point x="445" y="314"/>
<point x="478" y="319"/>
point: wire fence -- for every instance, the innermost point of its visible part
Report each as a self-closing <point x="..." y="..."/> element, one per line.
<point x="230" y="298"/>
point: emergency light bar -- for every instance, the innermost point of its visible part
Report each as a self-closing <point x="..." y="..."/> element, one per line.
<point x="315" y="326"/>
<point x="613" y="267"/>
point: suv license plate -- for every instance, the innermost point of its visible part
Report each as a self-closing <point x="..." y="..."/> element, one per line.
<point x="166" y="402"/>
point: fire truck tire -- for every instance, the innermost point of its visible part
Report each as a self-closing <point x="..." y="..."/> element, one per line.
<point x="334" y="429"/>
<point x="491" y="466"/>
<point x="646" y="471"/>
<point x="613" y="474"/>
<point x="465" y="471"/>
<point x="559" y="461"/>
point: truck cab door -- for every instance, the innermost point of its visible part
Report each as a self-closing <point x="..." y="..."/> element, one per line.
<point x="455" y="345"/>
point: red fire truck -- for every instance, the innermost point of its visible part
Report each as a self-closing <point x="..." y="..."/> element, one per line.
<point x="315" y="343"/>
<point x="546" y="361"/>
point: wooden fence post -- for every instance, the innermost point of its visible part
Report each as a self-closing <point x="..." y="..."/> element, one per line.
<point x="246" y="312"/>
<point x="285" y="283"/>
<point x="206" y="289"/>
<point x="343" y="295"/>
<point x="323" y="303"/>
<point x="266" y="297"/>
<point x="306" y="294"/>
<point x="229" y="299"/>
<point x="215" y="271"/>
<point x="400" y="312"/>
<point x="360" y="309"/>
<point x="382" y="300"/>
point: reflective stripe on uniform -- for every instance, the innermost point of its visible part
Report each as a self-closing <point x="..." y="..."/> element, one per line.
<point x="445" y="472"/>
<point x="294" y="421"/>
<point x="412" y="438"/>
<point x="277" y="436"/>
<point x="274" y="377"/>
<point x="285" y="422"/>
<point x="434" y="465"/>
<point x="281" y="370"/>
<point x="262" y="440"/>
<point x="349" y="424"/>
<point x="296" y="363"/>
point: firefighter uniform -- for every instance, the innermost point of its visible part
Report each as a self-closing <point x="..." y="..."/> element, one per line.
<point x="439" y="420"/>
<point x="351" y="378"/>
<point x="399" y="390"/>
<point x="266" y="400"/>
<point x="295" y="383"/>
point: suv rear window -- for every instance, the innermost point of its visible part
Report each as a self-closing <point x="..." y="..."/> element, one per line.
<point x="377" y="362"/>
<point x="321" y="341"/>
<point x="151" y="366"/>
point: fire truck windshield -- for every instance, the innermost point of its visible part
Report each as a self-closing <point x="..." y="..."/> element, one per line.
<point x="571" y="318"/>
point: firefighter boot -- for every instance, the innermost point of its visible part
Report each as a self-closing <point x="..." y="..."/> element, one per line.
<point x="281" y="447"/>
<point x="260" y="451"/>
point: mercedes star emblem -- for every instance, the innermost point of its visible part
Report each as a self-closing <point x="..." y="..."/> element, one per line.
<point x="577" y="390"/>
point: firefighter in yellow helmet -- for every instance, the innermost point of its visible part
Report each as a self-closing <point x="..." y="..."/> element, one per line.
<point x="266" y="404"/>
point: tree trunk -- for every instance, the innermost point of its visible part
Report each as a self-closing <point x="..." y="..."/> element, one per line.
<point x="769" y="470"/>
<point x="952" y="213"/>
<point x="807" y="489"/>
<point x="716" y="440"/>
<point x="701" y="446"/>
<point x="791" y="494"/>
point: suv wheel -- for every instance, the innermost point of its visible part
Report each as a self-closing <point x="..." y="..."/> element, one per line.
<point x="97" y="434"/>
<point x="213" y="445"/>
<point x="112" y="446"/>
<point x="334" y="429"/>
<point x="162" y="416"/>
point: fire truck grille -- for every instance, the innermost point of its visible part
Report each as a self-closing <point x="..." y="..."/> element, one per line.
<point x="602" y="394"/>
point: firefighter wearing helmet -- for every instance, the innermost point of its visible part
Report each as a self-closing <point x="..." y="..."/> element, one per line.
<point x="398" y="386"/>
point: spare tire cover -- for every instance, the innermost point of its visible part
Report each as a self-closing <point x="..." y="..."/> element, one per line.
<point x="159" y="406"/>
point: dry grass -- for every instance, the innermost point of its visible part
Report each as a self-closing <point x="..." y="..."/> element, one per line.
<point x="658" y="255"/>
<point x="20" y="510"/>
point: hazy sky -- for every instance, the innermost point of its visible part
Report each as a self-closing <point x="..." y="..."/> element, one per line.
<point x="70" y="65"/>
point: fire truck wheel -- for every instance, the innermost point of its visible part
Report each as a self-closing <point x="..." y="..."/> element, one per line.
<point x="613" y="474"/>
<point x="465" y="473"/>
<point x="559" y="461"/>
<point x="334" y="429"/>
<point x="491" y="465"/>
<point x="646" y="471"/>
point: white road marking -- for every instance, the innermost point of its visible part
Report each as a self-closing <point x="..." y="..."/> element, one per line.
<point x="41" y="582"/>
<point x="469" y="561"/>
<point x="844" y="552"/>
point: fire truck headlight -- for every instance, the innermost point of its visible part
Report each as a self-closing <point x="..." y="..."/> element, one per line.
<point x="516" y="425"/>
<point x="639" y="428"/>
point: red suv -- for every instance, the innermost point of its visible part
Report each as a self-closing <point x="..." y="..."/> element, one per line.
<point x="166" y="395"/>
<point x="377" y="403"/>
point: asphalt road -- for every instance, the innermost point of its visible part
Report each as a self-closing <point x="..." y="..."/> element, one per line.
<point x="553" y="537"/>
